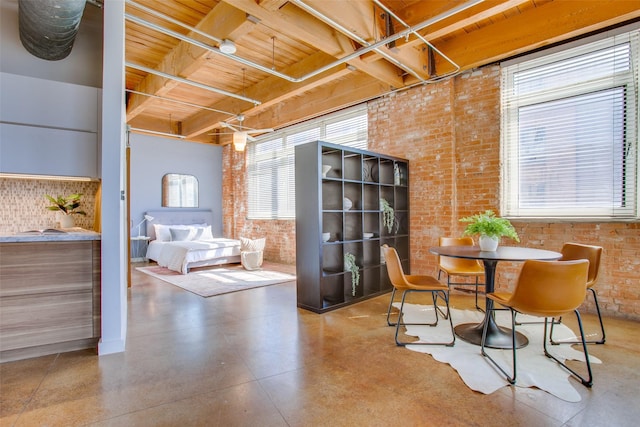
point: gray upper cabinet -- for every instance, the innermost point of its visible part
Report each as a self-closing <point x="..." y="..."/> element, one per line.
<point x="339" y="196"/>
<point x="48" y="127"/>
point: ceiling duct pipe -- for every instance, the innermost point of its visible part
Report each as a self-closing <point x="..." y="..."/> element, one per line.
<point x="48" y="28"/>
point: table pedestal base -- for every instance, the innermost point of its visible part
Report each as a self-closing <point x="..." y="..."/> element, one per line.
<point x="497" y="336"/>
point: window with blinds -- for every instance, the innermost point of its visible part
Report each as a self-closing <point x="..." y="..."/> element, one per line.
<point x="570" y="132"/>
<point x="270" y="159"/>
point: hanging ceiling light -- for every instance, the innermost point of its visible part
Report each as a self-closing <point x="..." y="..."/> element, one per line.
<point x="228" y="47"/>
<point x="239" y="140"/>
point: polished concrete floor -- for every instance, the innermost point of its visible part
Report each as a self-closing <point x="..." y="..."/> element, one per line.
<point x="252" y="358"/>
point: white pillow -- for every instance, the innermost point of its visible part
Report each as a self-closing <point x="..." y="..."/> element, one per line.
<point x="203" y="233"/>
<point x="182" y="234"/>
<point x="248" y="245"/>
<point x="163" y="232"/>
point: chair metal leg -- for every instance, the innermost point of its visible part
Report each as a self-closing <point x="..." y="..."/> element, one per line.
<point x="477" y="306"/>
<point x="586" y="382"/>
<point x="512" y="379"/>
<point x="401" y="315"/>
<point x="509" y="378"/>
<point x="600" y="341"/>
<point x="393" y="293"/>
<point x="555" y="322"/>
<point x="449" y="283"/>
<point x="595" y="298"/>
<point x="437" y="307"/>
<point x="444" y="316"/>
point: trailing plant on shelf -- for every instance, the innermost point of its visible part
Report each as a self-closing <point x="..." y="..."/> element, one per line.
<point x="351" y="266"/>
<point x="388" y="216"/>
<point x="69" y="205"/>
<point x="488" y="225"/>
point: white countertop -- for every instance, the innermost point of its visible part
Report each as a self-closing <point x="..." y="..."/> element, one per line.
<point x="50" y="235"/>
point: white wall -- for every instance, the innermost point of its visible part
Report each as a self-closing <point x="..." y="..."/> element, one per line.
<point x="152" y="157"/>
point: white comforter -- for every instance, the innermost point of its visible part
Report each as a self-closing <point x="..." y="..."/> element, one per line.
<point x="176" y="256"/>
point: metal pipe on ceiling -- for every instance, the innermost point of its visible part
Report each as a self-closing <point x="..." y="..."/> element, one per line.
<point x="191" y="82"/>
<point x="424" y="40"/>
<point x="355" y="54"/>
<point x="208" y="47"/>
<point x="172" y="20"/>
<point x="190" y="104"/>
<point x="48" y="29"/>
<point x="155" y="132"/>
<point x="354" y="36"/>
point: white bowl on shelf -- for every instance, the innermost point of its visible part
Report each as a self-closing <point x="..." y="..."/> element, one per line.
<point x="326" y="237"/>
<point x="367" y="235"/>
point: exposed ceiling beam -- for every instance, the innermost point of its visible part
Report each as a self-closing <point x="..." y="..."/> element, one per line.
<point x="224" y="21"/>
<point x="271" y="91"/>
<point x="550" y="23"/>
<point x="298" y="24"/>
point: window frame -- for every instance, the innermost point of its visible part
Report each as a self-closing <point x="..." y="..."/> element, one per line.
<point x="282" y="156"/>
<point x="510" y="132"/>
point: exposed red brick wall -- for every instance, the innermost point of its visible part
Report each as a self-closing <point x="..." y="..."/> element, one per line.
<point x="280" y="234"/>
<point x="450" y="133"/>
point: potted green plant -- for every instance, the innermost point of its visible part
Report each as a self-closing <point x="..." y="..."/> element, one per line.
<point x="490" y="228"/>
<point x="68" y="206"/>
<point x="351" y="266"/>
<point x="388" y="215"/>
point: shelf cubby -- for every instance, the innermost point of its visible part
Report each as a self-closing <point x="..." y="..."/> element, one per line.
<point x="371" y="197"/>
<point x="352" y="166"/>
<point x="332" y="195"/>
<point x="353" y="192"/>
<point x="332" y="223"/>
<point x="352" y="226"/>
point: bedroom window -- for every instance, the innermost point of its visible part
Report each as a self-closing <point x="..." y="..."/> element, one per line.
<point x="270" y="160"/>
<point x="570" y="132"/>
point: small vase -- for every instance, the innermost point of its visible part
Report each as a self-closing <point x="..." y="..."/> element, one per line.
<point x="347" y="204"/>
<point x="488" y="243"/>
<point x="66" y="221"/>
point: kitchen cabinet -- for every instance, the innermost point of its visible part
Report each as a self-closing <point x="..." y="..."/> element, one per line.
<point x="49" y="297"/>
<point x="48" y="127"/>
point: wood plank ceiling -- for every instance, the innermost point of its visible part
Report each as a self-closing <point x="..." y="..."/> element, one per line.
<point x="297" y="59"/>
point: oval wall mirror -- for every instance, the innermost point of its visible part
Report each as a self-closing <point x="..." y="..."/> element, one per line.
<point x="179" y="191"/>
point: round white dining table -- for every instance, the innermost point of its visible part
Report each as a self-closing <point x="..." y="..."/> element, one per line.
<point x="497" y="336"/>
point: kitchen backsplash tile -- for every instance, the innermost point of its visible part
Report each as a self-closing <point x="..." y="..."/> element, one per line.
<point x="23" y="205"/>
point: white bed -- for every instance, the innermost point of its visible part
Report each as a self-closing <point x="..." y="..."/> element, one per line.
<point x="181" y="240"/>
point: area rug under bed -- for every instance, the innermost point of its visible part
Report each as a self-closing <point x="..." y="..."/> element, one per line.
<point x="217" y="281"/>
<point x="534" y="368"/>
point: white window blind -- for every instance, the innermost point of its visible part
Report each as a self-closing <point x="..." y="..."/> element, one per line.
<point x="570" y="132"/>
<point x="271" y="162"/>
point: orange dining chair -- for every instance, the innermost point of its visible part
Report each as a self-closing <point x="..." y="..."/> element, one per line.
<point x="412" y="283"/>
<point x="573" y="251"/>
<point x="459" y="266"/>
<point x="546" y="289"/>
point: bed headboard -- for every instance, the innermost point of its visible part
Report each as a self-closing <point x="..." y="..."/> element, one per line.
<point x="184" y="217"/>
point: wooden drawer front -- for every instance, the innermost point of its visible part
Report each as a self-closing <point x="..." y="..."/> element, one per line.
<point x="32" y="320"/>
<point x="49" y="293"/>
<point x="43" y="267"/>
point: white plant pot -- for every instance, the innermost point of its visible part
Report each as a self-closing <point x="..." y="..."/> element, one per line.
<point x="66" y="221"/>
<point x="488" y="243"/>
